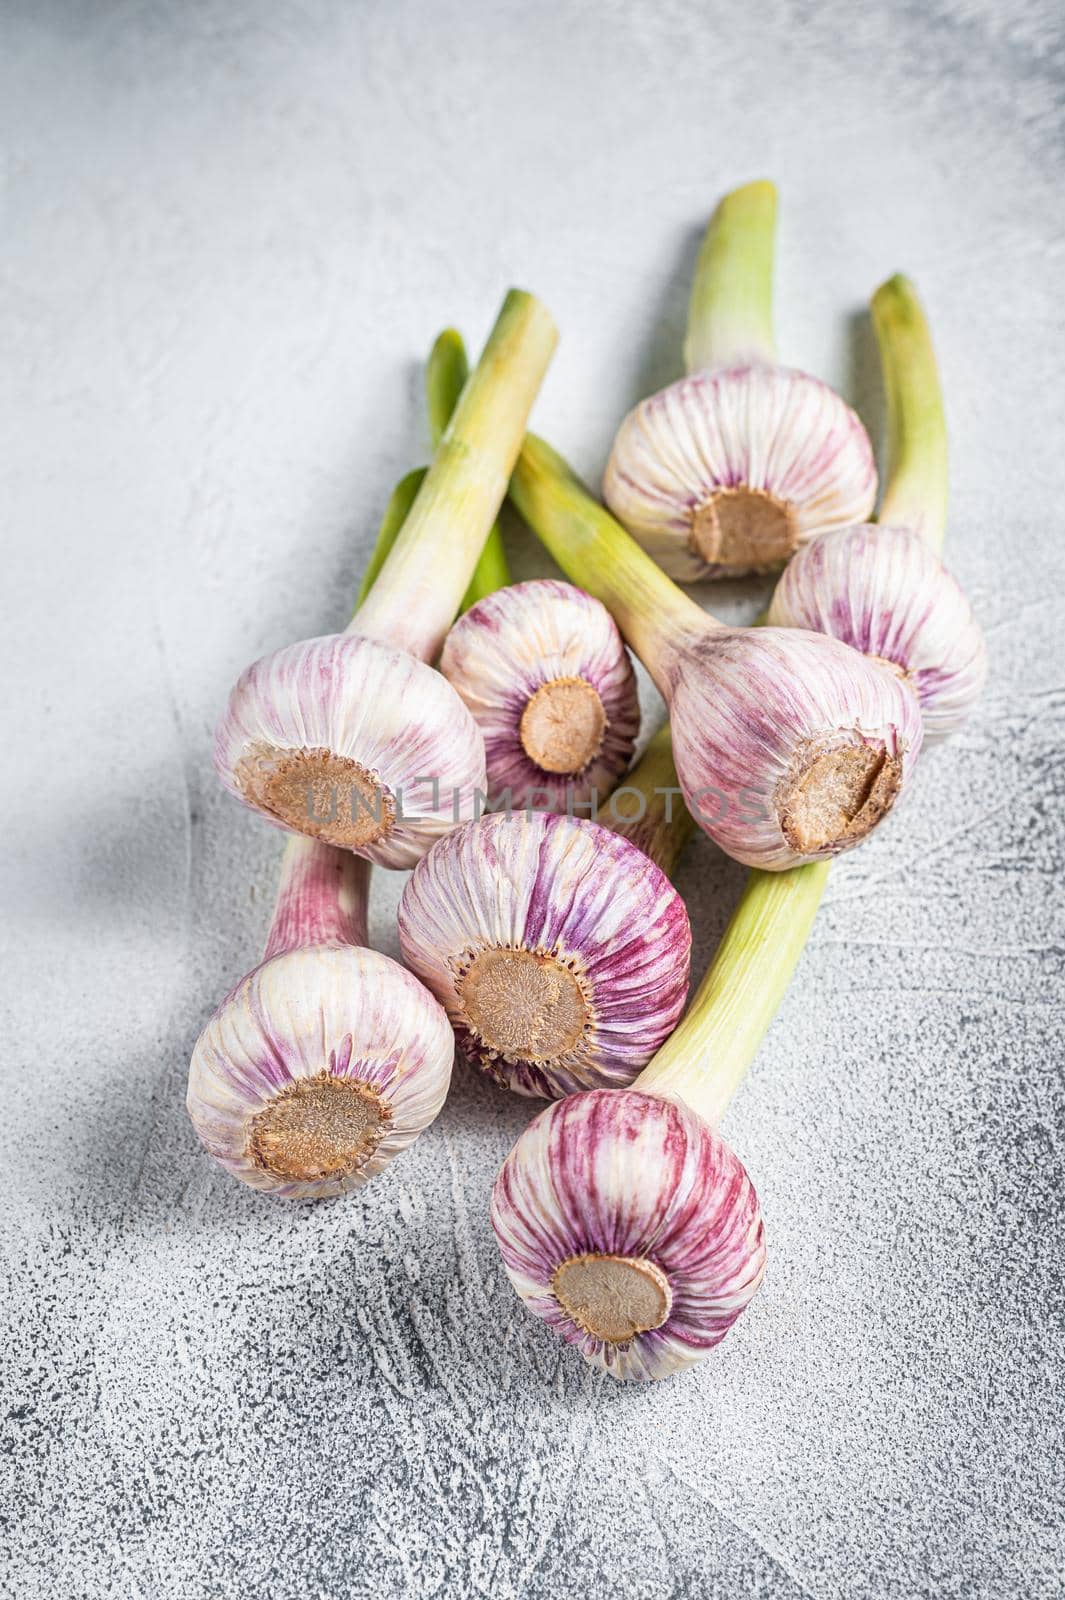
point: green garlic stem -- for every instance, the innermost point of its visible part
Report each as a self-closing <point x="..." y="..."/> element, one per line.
<point x="492" y="571"/>
<point x="445" y="375"/>
<point x="396" y="513"/>
<point x="916" y="492"/>
<point x="647" y="807"/>
<point x="598" y="555"/>
<point x="707" y="1057"/>
<point x="428" y="569"/>
<point x="730" y="316"/>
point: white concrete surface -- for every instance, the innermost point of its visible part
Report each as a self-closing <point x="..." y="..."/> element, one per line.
<point x="232" y="228"/>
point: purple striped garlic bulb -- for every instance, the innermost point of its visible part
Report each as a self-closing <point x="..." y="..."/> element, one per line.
<point x="730" y="471"/>
<point x="883" y="591"/>
<point x="735" y="466"/>
<point x="629" y="1227"/>
<point x="353" y="738"/>
<point x="327" y="1059"/>
<point x="624" y="1220"/>
<point x="787" y="751"/>
<point x="558" y="949"/>
<point x="354" y="743"/>
<point x="546" y="676"/>
<point x="882" y="587"/>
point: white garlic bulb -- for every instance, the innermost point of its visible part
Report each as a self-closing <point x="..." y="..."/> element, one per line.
<point x="735" y="466"/>
<point x="883" y="591"/>
<point x="327" y="1059"/>
<point x="546" y="676"/>
<point x="730" y="471"/>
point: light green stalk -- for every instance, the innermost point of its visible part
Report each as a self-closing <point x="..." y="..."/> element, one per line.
<point x="916" y="493"/>
<point x="707" y="1057"/>
<point x="647" y="807"/>
<point x="730" y="316"/>
<point x="446" y="372"/>
<point x="425" y="574"/>
<point x="396" y="513"/>
<point x="598" y="555"/>
<point x="445" y="375"/>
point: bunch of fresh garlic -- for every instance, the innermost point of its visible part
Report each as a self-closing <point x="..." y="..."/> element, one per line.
<point x="552" y="946"/>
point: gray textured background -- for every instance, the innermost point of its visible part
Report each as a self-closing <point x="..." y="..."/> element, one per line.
<point x="233" y="229"/>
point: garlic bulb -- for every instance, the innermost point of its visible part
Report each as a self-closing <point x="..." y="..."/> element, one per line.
<point x="630" y="1228"/>
<point x="353" y="738"/>
<point x="730" y="471"/>
<point x="328" y="1059"/>
<point x="735" y="466"/>
<point x="545" y="674"/>
<point x="559" y="950"/>
<point x="882" y="590"/>
<point x="352" y="742"/>
<point x="881" y="587"/>
<point x="790" y="751"/>
<point x="789" y="745"/>
<point x="624" y="1221"/>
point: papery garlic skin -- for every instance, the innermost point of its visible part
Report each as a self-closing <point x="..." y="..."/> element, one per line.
<point x="755" y="713"/>
<point x="769" y="429"/>
<point x="522" y="644"/>
<point x="884" y="592"/>
<point x="319" y="737"/>
<point x="559" y="951"/>
<point x="288" y="1027"/>
<point x="642" y="1186"/>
